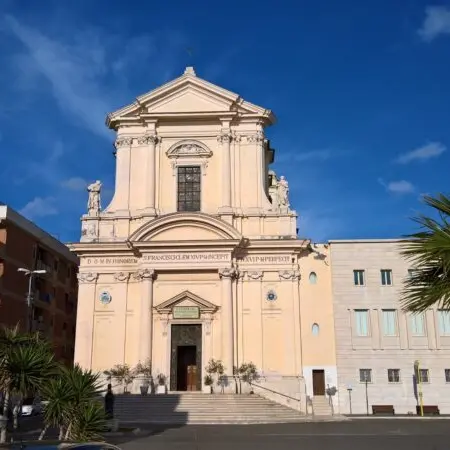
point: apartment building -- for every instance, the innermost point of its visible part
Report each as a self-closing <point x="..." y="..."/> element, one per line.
<point x="377" y="344"/>
<point x="24" y="245"/>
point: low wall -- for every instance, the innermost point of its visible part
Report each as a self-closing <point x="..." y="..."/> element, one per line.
<point x="284" y="389"/>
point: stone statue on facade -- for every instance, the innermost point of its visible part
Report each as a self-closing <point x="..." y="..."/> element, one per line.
<point x="283" y="193"/>
<point x="93" y="205"/>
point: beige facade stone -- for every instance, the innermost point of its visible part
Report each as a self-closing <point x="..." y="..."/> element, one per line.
<point x="156" y="268"/>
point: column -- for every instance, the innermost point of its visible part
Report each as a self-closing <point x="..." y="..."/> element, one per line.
<point x="225" y="138"/>
<point x="145" y="276"/>
<point x="85" y="319"/>
<point x="227" y="275"/>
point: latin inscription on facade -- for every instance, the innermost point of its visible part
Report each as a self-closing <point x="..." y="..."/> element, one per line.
<point x="273" y="259"/>
<point x="186" y="312"/>
<point x="186" y="258"/>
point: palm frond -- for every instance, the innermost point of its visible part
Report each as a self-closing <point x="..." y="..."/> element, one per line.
<point x="428" y="251"/>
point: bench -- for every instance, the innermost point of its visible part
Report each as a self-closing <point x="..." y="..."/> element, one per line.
<point x="428" y="410"/>
<point x="383" y="409"/>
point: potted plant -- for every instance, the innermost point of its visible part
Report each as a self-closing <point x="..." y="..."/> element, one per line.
<point x="215" y="369"/>
<point x="161" y="387"/>
<point x="144" y="370"/>
<point x="209" y="382"/>
<point x="248" y="374"/>
<point x="123" y="374"/>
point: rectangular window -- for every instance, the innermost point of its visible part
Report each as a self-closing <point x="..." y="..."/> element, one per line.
<point x="358" y="277"/>
<point x="365" y="375"/>
<point x="362" y="322"/>
<point x="418" y="324"/>
<point x="444" y="322"/>
<point x="389" y="322"/>
<point x="411" y="273"/>
<point x="447" y="375"/>
<point x="386" y="277"/>
<point x="394" y="375"/>
<point x="424" y="375"/>
<point x="188" y="188"/>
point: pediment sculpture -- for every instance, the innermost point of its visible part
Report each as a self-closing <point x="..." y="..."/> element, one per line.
<point x="189" y="149"/>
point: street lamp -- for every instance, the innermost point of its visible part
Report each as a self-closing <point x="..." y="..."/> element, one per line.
<point x="366" y="381"/>
<point x="349" y="389"/>
<point x="31" y="274"/>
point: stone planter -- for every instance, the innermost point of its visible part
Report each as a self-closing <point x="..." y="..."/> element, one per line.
<point x="144" y="389"/>
<point x="160" y="389"/>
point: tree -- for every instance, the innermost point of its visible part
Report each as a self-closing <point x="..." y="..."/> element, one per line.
<point x="74" y="405"/>
<point x="429" y="253"/>
<point x="26" y="363"/>
<point x="123" y="374"/>
<point x="248" y="373"/>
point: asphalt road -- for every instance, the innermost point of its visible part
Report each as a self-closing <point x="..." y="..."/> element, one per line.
<point x="362" y="434"/>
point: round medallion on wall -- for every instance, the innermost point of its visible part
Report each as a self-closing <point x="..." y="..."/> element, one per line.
<point x="105" y="297"/>
<point x="271" y="296"/>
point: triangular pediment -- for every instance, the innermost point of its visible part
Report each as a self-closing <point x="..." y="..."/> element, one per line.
<point x="187" y="298"/>
<point x="188" y="95"/>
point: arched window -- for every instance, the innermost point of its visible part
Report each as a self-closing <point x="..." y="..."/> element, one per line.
<point x="313" y="278"/>
<point x="315" y="329"/>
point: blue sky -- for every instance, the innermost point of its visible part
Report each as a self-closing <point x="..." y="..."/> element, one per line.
<point x="361" y="91"/>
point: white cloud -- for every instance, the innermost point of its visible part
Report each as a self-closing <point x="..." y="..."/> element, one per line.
<point x="74" y="184"/>
<point x="436" y="23"/>
<point x="39" y="207"/>
<point x="431" y="150"/>
<point x="397" y="187"/>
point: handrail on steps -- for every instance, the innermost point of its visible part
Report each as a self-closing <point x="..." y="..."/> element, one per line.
<point x="275" y="392"/>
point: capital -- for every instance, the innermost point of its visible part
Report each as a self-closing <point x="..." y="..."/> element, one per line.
<point x="293" y="275"/>
<point x="224" y="137"/>
<point x="144" y="274"/>
<point x="255" y="275"/>
<point x="258" y="137"/>
<point x="123" y="141"/>
<point x="147" y="139"/>
<point x="87" y="277"/>
<point x="121" y="276"/>
<point x="227" y="272"/>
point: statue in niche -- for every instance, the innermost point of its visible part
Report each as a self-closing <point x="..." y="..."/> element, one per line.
<point x="93" y="205"/>
<point x="283" y="192"/>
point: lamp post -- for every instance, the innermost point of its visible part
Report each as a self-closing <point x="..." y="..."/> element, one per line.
<point x="349" y="389"/>
<point x="419" y="384"/>
<point x="31" y="274"/>
<point x="366" y="382"/>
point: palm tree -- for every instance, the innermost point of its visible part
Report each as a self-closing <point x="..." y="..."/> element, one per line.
<point x="26" y="362"/>
<point x="74" y="405"/>
<point x="429" y="252"/>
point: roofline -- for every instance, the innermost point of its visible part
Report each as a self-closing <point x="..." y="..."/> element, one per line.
<point x="365" y="241"/>
<point x="8" y="214"/>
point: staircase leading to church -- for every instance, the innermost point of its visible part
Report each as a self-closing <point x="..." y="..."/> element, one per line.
<point x="199" y="408"/>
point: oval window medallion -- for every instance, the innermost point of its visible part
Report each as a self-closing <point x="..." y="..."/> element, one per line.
<point x="315" y="329"/>
<point x="105" y="297"/>
<point x="271" y="296"/>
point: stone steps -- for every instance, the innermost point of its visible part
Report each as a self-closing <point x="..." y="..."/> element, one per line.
<point x="198" y="408"/>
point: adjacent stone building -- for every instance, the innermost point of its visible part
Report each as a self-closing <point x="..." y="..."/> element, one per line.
<point x="54" y="294"/>
<point x="376" y="340"/>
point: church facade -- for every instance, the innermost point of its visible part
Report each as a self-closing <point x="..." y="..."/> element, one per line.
<point x="197" y="255"/>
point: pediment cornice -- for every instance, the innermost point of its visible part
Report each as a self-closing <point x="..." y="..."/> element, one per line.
<point x="232" y="103"/>
<point x="203" y="305"/>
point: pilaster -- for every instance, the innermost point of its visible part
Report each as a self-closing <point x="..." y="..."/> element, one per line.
<point x="150" y="141"/>
<point x="121" y="200"/>
<point x="225" y="139"/>
<point x="145" y="276"/>
<point x="227" y="275"/>
<point x="120" y="308"/>
<point x="85" y="319"/>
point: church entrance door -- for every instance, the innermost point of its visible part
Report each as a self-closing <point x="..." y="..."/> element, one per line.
<point x="186" y="358"/>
